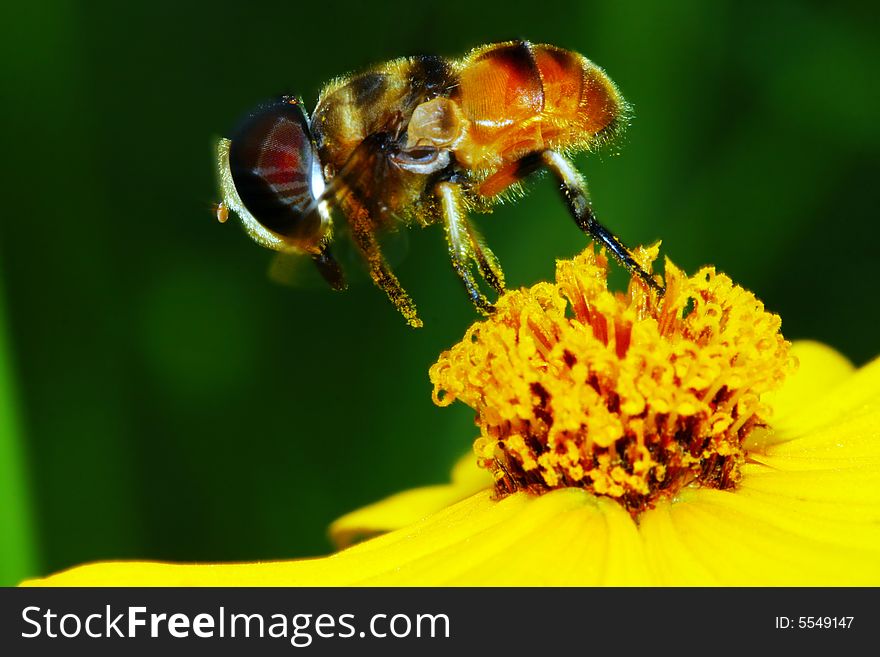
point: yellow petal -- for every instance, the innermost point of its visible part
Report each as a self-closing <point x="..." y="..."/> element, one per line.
<point x="840" y="430"/>
<point x="851" y="494"/>
<point x="820" y="368"/>
<point x="855" y="394"/>
<point x="807" y="512"/>
<point x="671" y="559"/>
<point x="407" y="507"/>
<point x="745" y="541"/>
<point x="567" y="537"/>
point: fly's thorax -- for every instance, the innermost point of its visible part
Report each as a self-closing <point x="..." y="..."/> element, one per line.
<point x="360" y="127"/>
<point x="381" y="100"/>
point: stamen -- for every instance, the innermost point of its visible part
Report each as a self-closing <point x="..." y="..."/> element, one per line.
<point x="630" y="395"/>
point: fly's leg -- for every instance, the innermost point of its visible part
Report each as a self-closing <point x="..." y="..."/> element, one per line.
<point x="466" y="245"/>
<point x="364" y="237"/>
<point x="488" y="264"/>
<point x="328" y="267"/>
<point x="574" y="190"/>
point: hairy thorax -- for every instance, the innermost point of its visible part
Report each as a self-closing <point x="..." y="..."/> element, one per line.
<point x="415" y="121"/>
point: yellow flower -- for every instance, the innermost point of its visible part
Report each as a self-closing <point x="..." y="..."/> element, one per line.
<point x="624" y="440"/>
<point x="626" y="395"/>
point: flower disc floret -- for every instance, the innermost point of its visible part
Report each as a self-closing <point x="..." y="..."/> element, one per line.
<point x="629" y="395"/>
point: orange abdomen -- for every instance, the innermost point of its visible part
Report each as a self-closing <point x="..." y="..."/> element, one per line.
<point x="521" y="98"/>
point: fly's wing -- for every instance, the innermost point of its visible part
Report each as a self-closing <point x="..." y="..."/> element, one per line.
<point x="295" y="270"/>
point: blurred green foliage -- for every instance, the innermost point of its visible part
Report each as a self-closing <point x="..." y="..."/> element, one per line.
<point x="17" y="551"/>
<point x="180" y="406"/>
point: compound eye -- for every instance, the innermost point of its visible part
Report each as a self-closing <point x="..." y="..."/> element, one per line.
<point x="275" y="170"/>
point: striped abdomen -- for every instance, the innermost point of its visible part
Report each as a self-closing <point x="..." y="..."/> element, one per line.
<point x="520" y="98"/>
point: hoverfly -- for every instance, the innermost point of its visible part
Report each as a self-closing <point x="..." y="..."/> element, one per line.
<point x="421" y="140"/>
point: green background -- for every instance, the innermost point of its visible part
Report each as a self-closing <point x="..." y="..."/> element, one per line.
<point x="162" y="399"/>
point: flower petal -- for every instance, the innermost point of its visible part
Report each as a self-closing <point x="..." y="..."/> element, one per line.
<point x="857" y="393"/>
<point x="407" y="507"/>
<point x="819" y="369"/>
<point x="845" y="495"/>
<point x="840" y="430"/>
<point x="807" y="512"/>
<point x="672" y="561"/>
<point x="745" y="540"/>
<point x="567" y="537"/>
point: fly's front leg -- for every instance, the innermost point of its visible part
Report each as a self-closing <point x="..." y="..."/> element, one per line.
<point x="574" y="190"/>
<point x="363" y="236"/>
<point x="328" y="267"/>
<point x="463" y="247"/>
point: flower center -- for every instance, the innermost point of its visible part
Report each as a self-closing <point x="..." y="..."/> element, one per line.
<point x="632" y="396"/>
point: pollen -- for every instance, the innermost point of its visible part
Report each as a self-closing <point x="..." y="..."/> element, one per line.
<point x="631" y="395"/>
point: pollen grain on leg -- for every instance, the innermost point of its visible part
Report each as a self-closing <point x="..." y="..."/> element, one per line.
<point x="630" y="395"/>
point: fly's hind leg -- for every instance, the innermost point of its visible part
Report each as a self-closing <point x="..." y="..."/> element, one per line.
<point x="574" y="190"/>
<point x="363" y="235"/>
<point x="466" y="245"/>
